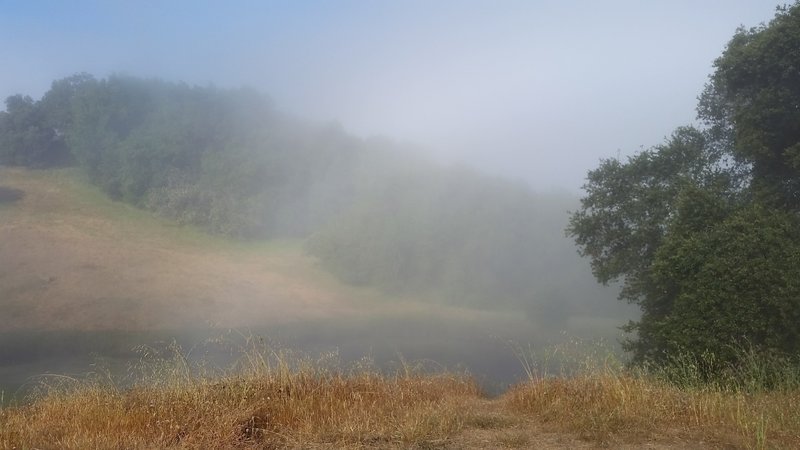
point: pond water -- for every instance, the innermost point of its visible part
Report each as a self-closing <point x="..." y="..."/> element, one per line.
<point x="483" y="347"/>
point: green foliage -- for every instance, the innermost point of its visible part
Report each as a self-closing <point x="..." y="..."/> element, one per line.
<point x="703" y="230"/>
<point x="459" y="236"/>
<point x="732" y="283"/>
<point x="222" y="160"/>
<point x="751" y="103"/>
<point x="26" y="136"/>
<point x="624" y="215"/>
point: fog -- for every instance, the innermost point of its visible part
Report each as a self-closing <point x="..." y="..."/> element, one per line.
<point x="394" y="181"/>
<point x="534" y="90"/>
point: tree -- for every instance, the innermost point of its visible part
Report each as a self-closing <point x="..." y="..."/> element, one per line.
<point x="57" y="104"/>
<point x="733" y="283"/>
<point x="26" y="139"/>
<point x="752" y="105"/>
<point x="702" y="230"/>
<point x="624" y="216"/>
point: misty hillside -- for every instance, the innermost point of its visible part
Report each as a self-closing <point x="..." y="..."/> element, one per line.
<point x="229" y="162"/>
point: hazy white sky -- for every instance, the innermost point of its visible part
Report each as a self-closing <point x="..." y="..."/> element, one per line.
<point x="537" y="90"/>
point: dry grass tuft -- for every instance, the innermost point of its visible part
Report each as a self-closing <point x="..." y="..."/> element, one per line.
<point x="594" y="394"/>
<point x="275" y="403"/>
<point x="514" y="439"/>
<point x="612" y="408"/>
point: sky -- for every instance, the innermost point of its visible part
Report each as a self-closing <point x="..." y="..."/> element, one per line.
<point x="538" y="91"/>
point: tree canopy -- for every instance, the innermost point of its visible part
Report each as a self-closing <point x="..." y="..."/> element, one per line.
<point x="752" y="106"/>
<point x="703" y="230"/>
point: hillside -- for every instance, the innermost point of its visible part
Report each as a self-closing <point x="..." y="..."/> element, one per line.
<point x="227" y="162"/>
<point x="82" y="277"/>
<point x="70" y="258"/>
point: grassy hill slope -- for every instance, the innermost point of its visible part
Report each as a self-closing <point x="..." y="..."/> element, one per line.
<point x="71" y="258"/>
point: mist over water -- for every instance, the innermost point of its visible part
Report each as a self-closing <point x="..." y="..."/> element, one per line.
<point x="394" y="182"/>
<point x="107" y="277"/>
<point x="484" y="347"/>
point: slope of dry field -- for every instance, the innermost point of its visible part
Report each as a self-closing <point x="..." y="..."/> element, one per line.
<point x="70" y="258"/>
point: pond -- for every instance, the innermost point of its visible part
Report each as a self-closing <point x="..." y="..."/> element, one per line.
<point x="484" y="347"/>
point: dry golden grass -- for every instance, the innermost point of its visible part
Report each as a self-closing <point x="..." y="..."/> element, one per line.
<point x="274" y="399"/>
<point x="269" y="405"/>
<point x="614" y="408"/>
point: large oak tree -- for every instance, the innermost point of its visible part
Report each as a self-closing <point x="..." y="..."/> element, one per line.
<point x="703" y="230"/>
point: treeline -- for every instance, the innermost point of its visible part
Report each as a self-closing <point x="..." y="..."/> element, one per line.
<point x="220" y="159"/>
<point x="227" y="161"/>
<point x="459" y="235"/>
